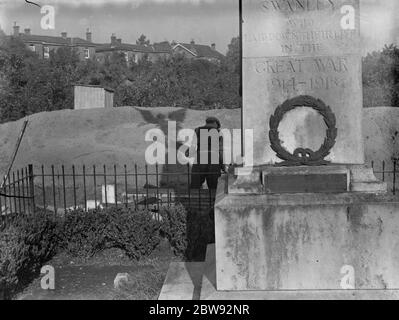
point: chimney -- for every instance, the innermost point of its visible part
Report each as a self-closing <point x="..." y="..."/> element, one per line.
<point x="64" y="35"/>
<point x="119" y="41"/>
<point x="113" y="39"/>
<point x="16" y="30"/>
<point x="88" y="35"/>
<point x="27" y="31"/>
<point x="192" y="42"/>
<point x="213" y="46"/>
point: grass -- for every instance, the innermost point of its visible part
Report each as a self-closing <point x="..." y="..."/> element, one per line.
<point x="92" y="279"/>
<point x="146" y="284"/>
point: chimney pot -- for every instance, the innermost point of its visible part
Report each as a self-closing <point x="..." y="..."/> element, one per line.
<point x="113" y="38"/>
<point x="16" y="29"/>
<point x="88" y="35"/>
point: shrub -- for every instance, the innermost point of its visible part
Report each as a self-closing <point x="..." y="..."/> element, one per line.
<point x="86" y="233"/>
<point x="83" y="234"/>
<point x="135" y="232"/>
<point x="188" y="232"/>
<point x="175" y="228"/>
<point x="26" y="243"/>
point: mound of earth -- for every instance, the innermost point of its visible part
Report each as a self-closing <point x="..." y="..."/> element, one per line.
<point x="97" y="136"/>
<point x="117" y="136"/>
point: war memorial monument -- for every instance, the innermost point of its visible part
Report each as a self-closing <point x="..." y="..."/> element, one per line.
<point x="308" y="220"/>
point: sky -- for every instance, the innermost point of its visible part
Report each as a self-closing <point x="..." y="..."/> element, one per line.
<point x="204" y="21"/>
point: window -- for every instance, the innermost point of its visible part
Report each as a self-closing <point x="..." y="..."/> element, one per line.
<point x="126" y="56"/>
<point x="46" y="52"/>
<point x="32" y="47"/>
<point x="135" y="58"/>
<point x="87" y="53"/>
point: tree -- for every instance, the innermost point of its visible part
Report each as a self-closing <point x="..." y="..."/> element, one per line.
<point x="22" y="74"/>
<point x="142" y="40"/>
<point x="29" y="84"/>
<point x="233" y="56"/>
<point x="381" y="77"/>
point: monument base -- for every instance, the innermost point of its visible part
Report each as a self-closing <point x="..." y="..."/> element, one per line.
<point x="270" y="239"/>
<point x="359" y="178"/>
<point x="197" y="281"/>
<point x="209" y="291"/>
<point x="300" y="245"/>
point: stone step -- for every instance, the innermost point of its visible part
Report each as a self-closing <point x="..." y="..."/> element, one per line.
<point x="369" y="187"/>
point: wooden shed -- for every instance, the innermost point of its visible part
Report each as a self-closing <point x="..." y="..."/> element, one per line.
<point x="91" y="97"/>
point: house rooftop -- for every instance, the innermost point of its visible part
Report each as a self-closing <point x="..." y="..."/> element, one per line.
<point x="66" y="41"/>
<point x="163" y="47"/>
<point x="202" y="51"/>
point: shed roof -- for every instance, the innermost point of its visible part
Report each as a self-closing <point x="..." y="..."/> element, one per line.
<point x="94" y="86"/>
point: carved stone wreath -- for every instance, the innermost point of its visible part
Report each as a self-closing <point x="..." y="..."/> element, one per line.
<point x="303" y="156"/>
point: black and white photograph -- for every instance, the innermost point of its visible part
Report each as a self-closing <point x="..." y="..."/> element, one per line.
<point x="212" y="152"/>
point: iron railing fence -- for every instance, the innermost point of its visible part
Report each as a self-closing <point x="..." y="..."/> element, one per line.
<point x="17" y="195"/>
<point x="59" y="189"/>
<point x="387" y="171"/>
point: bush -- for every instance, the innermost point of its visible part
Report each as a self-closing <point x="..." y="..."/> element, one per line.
<point x="137" y="233"/>
<point x="188" y="233"/>
<point x="83" y="234"/>
<point x="175" y="228"/>
<point x="86" y="233"/>
<point x="26" y="243"/>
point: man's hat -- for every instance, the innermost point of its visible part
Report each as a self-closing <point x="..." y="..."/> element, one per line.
<point x="213" y="120"/>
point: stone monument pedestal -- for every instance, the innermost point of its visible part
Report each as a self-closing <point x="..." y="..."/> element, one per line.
<point x="291" y="240"/>
<point x="297" y="245"/>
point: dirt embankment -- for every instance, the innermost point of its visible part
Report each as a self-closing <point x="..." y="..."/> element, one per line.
<point x="116" y="136"/>
<point x="97" y="136"/>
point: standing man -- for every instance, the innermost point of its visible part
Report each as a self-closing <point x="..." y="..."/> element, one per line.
<point x="209" y="162"/>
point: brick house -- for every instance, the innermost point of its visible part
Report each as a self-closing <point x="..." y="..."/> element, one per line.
<point x="198" y="51"/>
<point x="156" y="51"/>
<point x="133" y="53"/>
<point x="43" y="45"/>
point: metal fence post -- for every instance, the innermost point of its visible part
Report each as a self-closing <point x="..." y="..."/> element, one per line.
<point x="189" y="185"/>
<point x="383" y="171"/>
<point x="32" y="187"/>
<point x="394" y="176"/>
